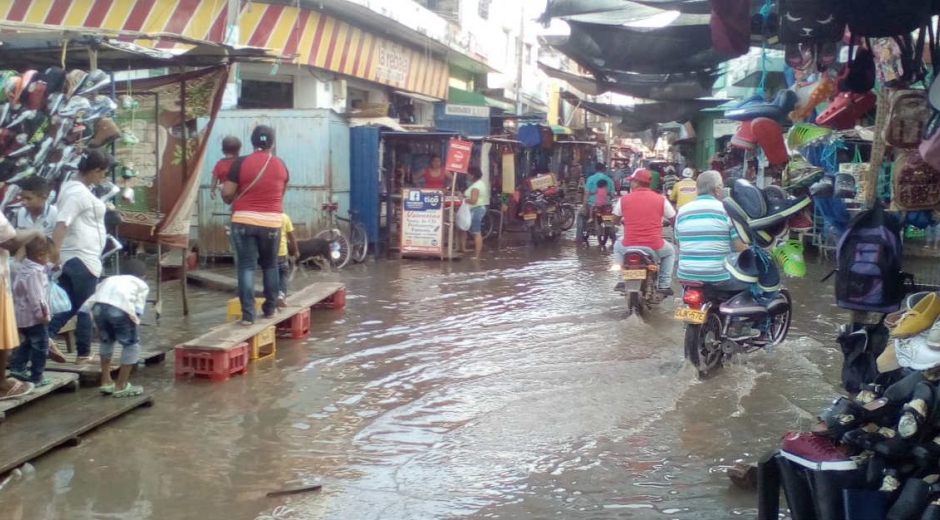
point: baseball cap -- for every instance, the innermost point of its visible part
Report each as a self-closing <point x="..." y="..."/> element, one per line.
<point x="687" y="173"/>
<point x="642" y="175"/>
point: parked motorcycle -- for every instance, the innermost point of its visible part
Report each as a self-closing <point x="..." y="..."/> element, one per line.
<point x="601" y="225"/>
<point x="567" y="213"/>
<point x="540" y="216"/>
<point x="721" y="324"/>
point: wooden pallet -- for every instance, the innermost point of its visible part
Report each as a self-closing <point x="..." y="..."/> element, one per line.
<point x="32" y="433"/>
<point x="91" y="372"/>
<point x="59" y="380"/>
<point x="231" y="334"/>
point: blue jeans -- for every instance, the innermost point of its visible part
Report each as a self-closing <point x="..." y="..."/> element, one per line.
<point x="33" y="351"/>
<point x="283" y="275"/>
<point x="254" y="246"/>
<point x="79" y="284"/>
<point x="115" y="326"/>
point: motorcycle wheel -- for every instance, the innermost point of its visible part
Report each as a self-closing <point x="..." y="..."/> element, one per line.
<point x="703" y="345"/>
<point x="567" y="217"/>
<point x="635" y="304"/>
<point x="536" y="235"/>
<point x="611" y="235"/>
<point x="780" y="322"/>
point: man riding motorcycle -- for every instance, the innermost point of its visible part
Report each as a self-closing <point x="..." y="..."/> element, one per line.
<point x="642" y="212"/>
<point x="706" y="236"/>
<point x="590" y="192"/>
<point x="684" y="191"/>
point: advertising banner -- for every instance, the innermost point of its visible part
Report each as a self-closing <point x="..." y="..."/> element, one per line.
<point x="422" y="222"/>
<point x="458" y="155"/>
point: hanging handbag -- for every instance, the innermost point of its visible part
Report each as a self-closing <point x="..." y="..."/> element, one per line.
<point x="907" y="118"/>
<point x="809" y="20"/>
<point x="916" y="183"/>
<point x="859" y="170"/>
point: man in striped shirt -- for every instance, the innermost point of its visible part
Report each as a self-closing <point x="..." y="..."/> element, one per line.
<point x="705" y="234"/>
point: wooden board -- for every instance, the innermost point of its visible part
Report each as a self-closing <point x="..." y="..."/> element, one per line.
<point x="59" y="380"/>
<point x="217" y="282"/>
<point x="231" y="334"/>
<point x="91" y="372"/>
<point x="28" y="435"/>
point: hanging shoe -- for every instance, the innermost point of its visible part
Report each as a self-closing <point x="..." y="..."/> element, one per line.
<point x="802" y="134"/>
<point x="824" y="89"/>
<point x="847" y="108"/>
<point x="769" y="135"/>
<point x="743" y="266"/>
<point x="790" y="257"/>
<point x="744" y="137"/>
<point x="800" y="222"/>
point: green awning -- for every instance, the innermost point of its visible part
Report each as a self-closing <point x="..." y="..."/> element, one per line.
<point x="456" y="96"/>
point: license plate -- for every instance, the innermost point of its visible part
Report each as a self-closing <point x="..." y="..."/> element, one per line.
<point x="634" y="274"/>
<point x="690" y="315"/>
<point x="608" y="217"/>
<point x="529" y="216"/>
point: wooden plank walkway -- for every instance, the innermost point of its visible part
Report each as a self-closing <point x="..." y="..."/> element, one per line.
<point x="28" y="435"/>
<point x="91" y="372"/>
<point x="59" y="380"/>
<point x="231" y="334"/>
<point x="217" y="282"/>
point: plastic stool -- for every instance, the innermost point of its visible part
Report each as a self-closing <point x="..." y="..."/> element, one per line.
<point x="233" y="310"/>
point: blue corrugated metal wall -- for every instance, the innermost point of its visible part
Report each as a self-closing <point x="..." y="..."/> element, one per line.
<point x="468" y="126"/>
<point x="365" y="178"/>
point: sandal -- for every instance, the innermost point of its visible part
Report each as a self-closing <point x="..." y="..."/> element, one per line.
<point x="790" y="257"/>
<point x="43" y="381"/>
<point x="918" y="410"/>
<point x="20" y="375"/>
<point x="84" y="360"/>
<point x="129" y="390"/>
<point x="106" y="389"/>
<point x="18" y="390"/>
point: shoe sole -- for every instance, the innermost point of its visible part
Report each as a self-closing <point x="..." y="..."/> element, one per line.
<point x="842" y="465"/>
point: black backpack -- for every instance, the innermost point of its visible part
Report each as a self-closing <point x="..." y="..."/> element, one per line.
<point x="868" y="263"/>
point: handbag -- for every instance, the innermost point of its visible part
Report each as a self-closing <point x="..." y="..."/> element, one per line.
<point x="59" y="301"/>
<point x="916" y="183"/>
<point x="907" y="118"/>
<point x="463" y="217"/>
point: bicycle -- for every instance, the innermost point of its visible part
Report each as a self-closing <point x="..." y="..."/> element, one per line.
<point x="355" y="248"/>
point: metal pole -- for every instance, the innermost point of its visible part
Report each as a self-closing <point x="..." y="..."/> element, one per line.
<point x="521" y="59"/>
<point x="183" y="167"/>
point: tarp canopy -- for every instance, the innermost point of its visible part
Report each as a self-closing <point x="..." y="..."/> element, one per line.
<point x="649" y="112"/>
<point x="665" y="87"/>
<point x="586" y="84"/>
<point x="637" y="10"/>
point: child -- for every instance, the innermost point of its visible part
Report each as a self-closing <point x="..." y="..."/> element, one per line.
<point x="35" y="212"/>
<point x="283" y="265"/>
<point x="231" y="147"/>
<point x="116" y="307"/>
<point x="30" y="294"/>
<point x="601" y="195"/>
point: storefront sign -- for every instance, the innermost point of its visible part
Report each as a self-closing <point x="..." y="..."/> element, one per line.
<point x="721" y="127"/>
<point x="467" y="111"/>
<point x="422" y="222"/>
<point x="394" y="62"/>
<point x="458" y="155"/>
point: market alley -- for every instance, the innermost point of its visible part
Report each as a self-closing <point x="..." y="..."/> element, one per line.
<point x="511" y="388"/>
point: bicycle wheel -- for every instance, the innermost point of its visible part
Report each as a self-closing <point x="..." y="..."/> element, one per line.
<point x="339" y="247"/>
<point x="359" y="242"/>
<point x="488" y="224"/>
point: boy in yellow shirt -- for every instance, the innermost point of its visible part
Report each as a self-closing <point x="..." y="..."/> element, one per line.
<point x="287" y="247"/>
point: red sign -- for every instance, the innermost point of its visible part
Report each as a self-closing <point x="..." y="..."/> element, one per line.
<point x="458" y="155"/>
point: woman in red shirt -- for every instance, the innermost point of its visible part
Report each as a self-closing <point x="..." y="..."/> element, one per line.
<point x="433" y="177"/>
<point x="255" y="188"/>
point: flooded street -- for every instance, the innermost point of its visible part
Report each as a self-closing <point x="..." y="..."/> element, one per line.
<point x="509" y="388"/>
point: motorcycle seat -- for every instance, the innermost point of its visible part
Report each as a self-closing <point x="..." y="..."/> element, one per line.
<point x="645" y="251"/>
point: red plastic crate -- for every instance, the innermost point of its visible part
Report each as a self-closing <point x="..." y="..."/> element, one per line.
<point x="217" y="365"/>
<point x="297" y="327"/>
<point x="336" y="300"/>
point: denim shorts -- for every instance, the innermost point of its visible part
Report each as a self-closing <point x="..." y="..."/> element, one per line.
<point x="476" y="219"/>
<point x="115" y="326"/>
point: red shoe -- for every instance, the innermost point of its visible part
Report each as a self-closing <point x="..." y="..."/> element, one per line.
<point x="769" y="136"/>
<point x="744" y="137"/>
<point x="846" y="109"/>
<point x="800" y="222"/>
<point x="814" y="452"/>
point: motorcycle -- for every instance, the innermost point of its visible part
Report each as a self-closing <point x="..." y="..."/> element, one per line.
<point x="720" y="324"/>
<point x="601" y="225"/>
<point x="567" y="213"/>
<point x="640" y="271"/>
<point x="540" y="216"/>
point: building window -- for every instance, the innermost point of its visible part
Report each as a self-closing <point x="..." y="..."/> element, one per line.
<point x="266" y="94"/>
<point x="483" y="9"/>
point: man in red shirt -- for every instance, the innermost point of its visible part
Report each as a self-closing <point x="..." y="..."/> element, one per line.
<point x="642" y="212"/>
<point x="255" y="188"/>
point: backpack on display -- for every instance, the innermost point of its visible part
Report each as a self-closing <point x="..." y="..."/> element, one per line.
<point x="809" y="20"/>
<point x="868" y="260"/>
<point x="878" y="18"/>
<point x="907" y="118"/>
<point x="916" y="183"/>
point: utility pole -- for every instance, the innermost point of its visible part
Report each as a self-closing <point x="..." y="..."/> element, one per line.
<point x="230" y="99"/>
<point x="520" y="57"/>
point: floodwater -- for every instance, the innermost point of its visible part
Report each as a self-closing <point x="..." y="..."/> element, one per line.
<point x="513" y="387"/>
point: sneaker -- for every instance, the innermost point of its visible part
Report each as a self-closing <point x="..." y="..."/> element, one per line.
<point x="666" y="291"/>
<point x="129" y="390"/>
<point x="106" y="389"/>
<point x="814" y="452"/>
<point x="281" y="302"/>
<point x="20" y="375"/>
<point x="800" y="222"/>
<point x="802" y="134"/>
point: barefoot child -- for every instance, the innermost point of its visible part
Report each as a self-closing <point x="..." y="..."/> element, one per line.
<point x="30" y="295"/>
<point x="231" y="147"/>
<point x="116" y="308"/>
<point x="288" y="246"/>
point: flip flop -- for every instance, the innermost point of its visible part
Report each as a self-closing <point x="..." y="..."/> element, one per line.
<point x="19" y="390"/>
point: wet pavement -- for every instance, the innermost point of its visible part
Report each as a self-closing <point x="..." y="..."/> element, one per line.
<point x="513" y="387"/>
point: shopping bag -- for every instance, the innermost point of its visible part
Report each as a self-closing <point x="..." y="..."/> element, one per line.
<point x="463" y="217"/>
<point x="58" y="299"/>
